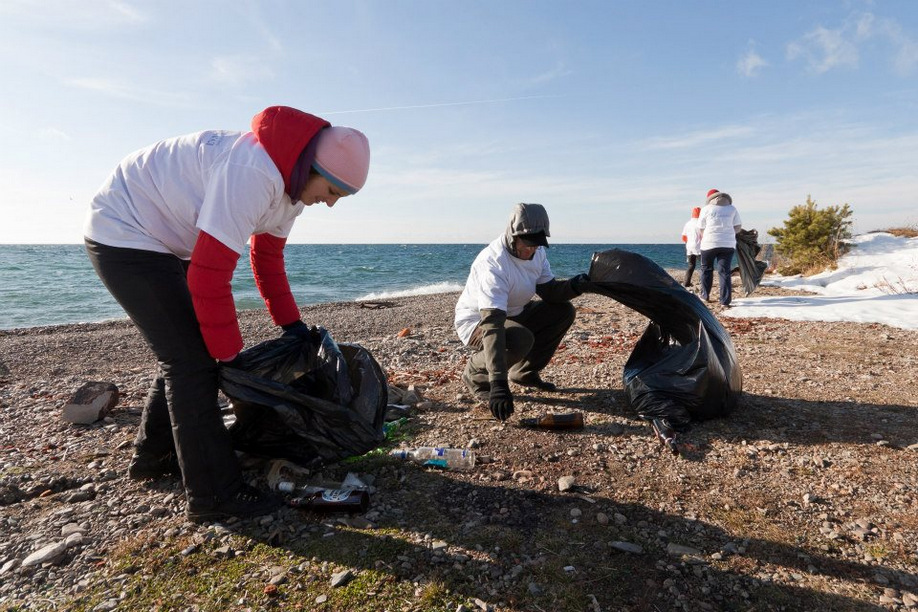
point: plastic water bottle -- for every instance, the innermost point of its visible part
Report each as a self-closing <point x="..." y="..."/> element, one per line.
<point x="448" y="458"/>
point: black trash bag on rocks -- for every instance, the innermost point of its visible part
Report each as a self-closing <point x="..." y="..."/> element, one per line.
<point x="306" y="399"/>
<point x="684" y="367"/>
<point x="747" y="249"/>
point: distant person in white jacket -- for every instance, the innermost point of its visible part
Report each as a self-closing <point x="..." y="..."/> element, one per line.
<point x="719" y="222"/>
<point x="515" y="336"/>
<point x="691" y="236"/>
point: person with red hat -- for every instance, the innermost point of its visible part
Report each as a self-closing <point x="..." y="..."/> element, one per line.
<point x="691" y="236"/>
<point x="165" y="233"/>
<point x="719" y="222"/>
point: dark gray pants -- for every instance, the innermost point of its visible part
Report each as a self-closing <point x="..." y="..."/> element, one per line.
<point x="532" y="337"/>
<point x="722" y="259"/>
<point x="692" y="260"/>
<point x="181" y="409"/>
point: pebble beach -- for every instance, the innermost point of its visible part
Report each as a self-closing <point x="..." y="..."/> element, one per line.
<point x="805" y="498"/>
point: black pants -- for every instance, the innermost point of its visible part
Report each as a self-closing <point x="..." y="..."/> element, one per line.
<point x="692" y="260"/>
<point x="532" y="337"/>
<point x="722" y="259"/>
<point x="181" y="409"/>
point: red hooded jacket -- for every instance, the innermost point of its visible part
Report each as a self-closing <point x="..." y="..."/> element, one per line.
<point x="284" y="132"/>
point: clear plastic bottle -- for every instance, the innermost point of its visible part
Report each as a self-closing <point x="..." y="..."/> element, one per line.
<point x="449" y="458"/>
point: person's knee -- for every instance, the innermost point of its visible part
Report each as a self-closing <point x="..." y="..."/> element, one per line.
<point x="519" y="342"/>
<point x="566" y="313"/>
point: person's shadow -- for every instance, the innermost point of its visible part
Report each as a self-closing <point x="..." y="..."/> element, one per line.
<point x="531" y="550"/>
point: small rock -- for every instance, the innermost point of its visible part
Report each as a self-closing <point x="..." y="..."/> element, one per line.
<point x="566" y="483"/>
<point x="74" y="539"/>
<point x="341" y="578"/>
<point x="602" y="519"/>
<point x="678" y="549"/>
<point x="628" y="547"/>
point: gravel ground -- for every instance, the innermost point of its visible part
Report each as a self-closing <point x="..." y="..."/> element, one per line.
<point x="805" y="498"/>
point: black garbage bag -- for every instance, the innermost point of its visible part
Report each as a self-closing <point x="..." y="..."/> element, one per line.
<point x="684" y="367"/>
<point x="751" y="269"/>
<point x="306" y="399"/>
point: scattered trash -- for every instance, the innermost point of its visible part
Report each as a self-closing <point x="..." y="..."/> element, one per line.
<point x="447" y="458"/>
<point x="330" y="500"/>
<point x="392" y="427"/>
<point x="285" y="471"/>
<point x="570" y="420"/>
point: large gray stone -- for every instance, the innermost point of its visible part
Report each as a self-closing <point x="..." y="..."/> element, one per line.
<point x="91" y="402"/>
<point x="47" y="554"/>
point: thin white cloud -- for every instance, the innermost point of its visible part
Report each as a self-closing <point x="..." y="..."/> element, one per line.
<point x="127" y="92"/>
<point x="559" y="71"/>
<point x="53" y="134"/>
<point x="750" y="64"/>
<point x="824" y="49"/>
<point x="905" y="48"/>
<point x="74" y="15"/>
<point x="128" y="12"/>
<point x="699" y="138"/>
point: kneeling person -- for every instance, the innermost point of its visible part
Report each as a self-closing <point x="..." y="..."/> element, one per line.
<point x="515" y="335"/>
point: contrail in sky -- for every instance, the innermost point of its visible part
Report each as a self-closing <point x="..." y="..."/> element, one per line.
<point x="467" y="102"/>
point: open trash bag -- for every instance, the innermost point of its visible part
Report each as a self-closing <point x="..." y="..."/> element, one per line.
<point x="306" y="399"/>
<point x="747" y="249"/>
<point x="684" y="367"/>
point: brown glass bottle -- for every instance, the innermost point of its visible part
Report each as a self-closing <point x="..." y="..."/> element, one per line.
<point x="332" y="500"/>
<point x="570" y="420"/>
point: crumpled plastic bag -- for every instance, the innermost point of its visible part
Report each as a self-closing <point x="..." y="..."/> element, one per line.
<point x="684" y="367"/>
<point x="306" y="399"/>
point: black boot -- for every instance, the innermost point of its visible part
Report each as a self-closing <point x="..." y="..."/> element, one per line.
<point x="146" y="465"/>
<point x="244" y="503"/>
<point x="535" y="381"/>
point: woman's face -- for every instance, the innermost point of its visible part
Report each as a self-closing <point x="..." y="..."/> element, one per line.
<point x="318" y="189"/>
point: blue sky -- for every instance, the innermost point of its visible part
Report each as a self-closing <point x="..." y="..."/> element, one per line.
<point x="617" y="116"/>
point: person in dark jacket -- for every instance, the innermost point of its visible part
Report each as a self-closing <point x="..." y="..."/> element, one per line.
<point x="165" y="232"/>
<point x="515" y="335"/>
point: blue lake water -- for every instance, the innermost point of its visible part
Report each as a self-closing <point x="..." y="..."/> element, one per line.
<point x="55" y="284"/>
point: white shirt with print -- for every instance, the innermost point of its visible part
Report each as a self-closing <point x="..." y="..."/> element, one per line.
<point x="716" y="223"/>
<point x="221" y="182"/>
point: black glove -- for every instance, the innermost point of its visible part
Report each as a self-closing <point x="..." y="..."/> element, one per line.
<point x="500" y="400"/>
<point x="297" y="328"/>
<point x="581" y="284"/>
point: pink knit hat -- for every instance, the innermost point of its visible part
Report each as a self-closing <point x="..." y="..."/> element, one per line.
<point x="343" y="157"/>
